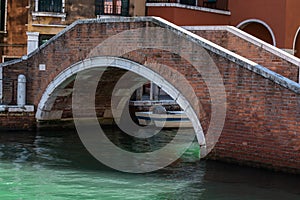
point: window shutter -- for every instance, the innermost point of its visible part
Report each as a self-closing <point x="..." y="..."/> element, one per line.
<point x="2" y="15"/>
<point x="125" y="8"/>
<point x="99" y="7"/>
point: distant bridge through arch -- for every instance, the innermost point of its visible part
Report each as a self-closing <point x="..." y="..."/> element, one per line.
<point x="63" y="79"/>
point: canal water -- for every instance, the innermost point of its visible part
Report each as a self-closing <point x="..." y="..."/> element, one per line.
<point x="55" y="165"/>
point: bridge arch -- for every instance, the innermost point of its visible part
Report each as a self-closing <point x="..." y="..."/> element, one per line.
<point x="68" y="75"/>
<point x="259" y="29"/>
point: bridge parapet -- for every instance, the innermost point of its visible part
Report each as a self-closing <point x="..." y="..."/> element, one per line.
<point x="252" y="48"/>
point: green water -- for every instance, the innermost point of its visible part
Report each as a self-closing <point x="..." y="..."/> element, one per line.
<point x="55" y="165"/>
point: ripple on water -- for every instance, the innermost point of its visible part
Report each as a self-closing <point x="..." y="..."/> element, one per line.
<point x="56" y="166"/>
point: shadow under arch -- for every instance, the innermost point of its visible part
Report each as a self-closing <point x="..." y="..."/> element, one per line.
<point x="69" y="74"/>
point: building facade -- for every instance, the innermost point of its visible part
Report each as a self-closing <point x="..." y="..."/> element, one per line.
<point x="276" y="22"/>
<point x="24" y="25"/>
<point x="13" y="20"/>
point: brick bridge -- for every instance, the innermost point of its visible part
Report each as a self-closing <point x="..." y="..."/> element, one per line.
<point x="229" y="83"/>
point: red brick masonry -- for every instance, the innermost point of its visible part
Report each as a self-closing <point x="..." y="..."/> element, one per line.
<point x="17" y="121"/>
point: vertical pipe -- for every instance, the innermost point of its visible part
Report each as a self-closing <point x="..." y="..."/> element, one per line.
<point x="139" y="94"/>
<point x="63" y="6"/>
<point x="36" y="9"/>
<point x="1" y="85"/>
<point x="153" y="92"/>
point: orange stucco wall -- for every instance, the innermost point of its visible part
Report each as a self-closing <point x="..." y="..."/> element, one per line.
<point x="292" y="20"/>
<point x="282" y="16"/>
<point x="269" y="11"/>
<point x="181" y="17"/>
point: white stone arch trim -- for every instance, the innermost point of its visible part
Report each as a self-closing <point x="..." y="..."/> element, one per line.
<point x="105" y="61"/>
<point x="248" y="21"/>
<point x="295" y="40"/>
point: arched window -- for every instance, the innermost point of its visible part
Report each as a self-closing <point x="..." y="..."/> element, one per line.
<point x="111" y="7"/>
<point x="258" y="29"/>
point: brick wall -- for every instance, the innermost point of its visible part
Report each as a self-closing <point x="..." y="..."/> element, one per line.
<point x="262" y="122"/>
<point x="252" y="52"/>
<point x="17" y="121"/>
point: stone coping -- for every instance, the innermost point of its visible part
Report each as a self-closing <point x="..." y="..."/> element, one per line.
<point x="257" y="42"/>
<point x="152" y="102"/>
<point x="198" y="8"/>
<point x="210" y="46"/>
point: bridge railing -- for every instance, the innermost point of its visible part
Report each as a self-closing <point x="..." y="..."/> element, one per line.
<point x="215" y="4"/>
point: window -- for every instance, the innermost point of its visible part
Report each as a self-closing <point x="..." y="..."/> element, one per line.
<point x="43" y="38"/>
<point x="9" y="58"/>
<point x="111" y="7"/>
<point x="50" y="6"/>
<point x="3" y="15"/>
<point x="188" y="2"/>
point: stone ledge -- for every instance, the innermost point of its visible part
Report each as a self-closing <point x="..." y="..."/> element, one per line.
<point x="49" y="14"/>
<point x="198" y="8"/>
<point x="150" y="103"/>
<point x="16" y="109"/>
<point x="50" y="25"/>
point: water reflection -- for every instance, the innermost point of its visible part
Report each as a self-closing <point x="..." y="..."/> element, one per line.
<point x="55" y="165"/>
